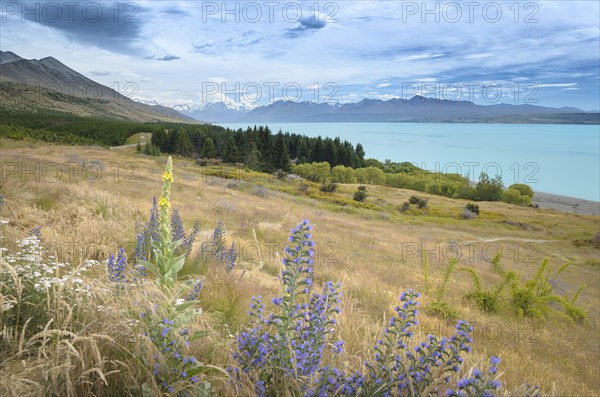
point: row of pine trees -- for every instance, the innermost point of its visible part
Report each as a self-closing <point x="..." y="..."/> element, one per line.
<point x="257" y="147"/>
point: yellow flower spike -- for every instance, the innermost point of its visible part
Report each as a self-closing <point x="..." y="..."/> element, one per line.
<point x="167" y="176"/>
<point x="163" y="202"/>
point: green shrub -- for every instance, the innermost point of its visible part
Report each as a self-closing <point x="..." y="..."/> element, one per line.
<point x="150" y="150"/>
<point x="361" y="194"/>
<point x="514" y="196"/>
<point x="488" y="301"/>
<point x="496" y="265"/>
<point x="489" y="189"/>
<point x="280" y="175"/>
<point x="474" y="208"/>
<point x="328" y="186"/>
<point x="573" y="311"/>
<point x="466" y="192"/>
<point x="419" y="202"/>
<point x="442" y="189"/>
<point x="341" y="174"/>
<point x="316" y="172"/>
<point x="532" y="298"/>
<point x="524" y="189"/>
<point x="370" y="175"/>
<point x="414" y="199"/>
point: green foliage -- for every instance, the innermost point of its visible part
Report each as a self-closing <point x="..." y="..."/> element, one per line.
<point x="419" y="202"/>
<point x="151" y="150"/>
<point x="343" y="174"/>
<point x="496" y="265"/>
<point x="208" y="149"/>
<point x="413" y="200"/>
<point x="514" y="196"/>
<point x="258" y="148"/>
<point x="408" y="176"/>
<point x="524" y="189"/>
<point x="316" y="172"/>
<point x="230" y="151"/>
<point x="53" y="126"/>
<point x="532" y="298"/>
<point x="328" y="186"/>
<point x="488" y="300"/>
<point x="370" y="175"/>
<point x="281" y="158"/>
<point x="183" y="146"/>
<point x="443" y="189"/>
<point x="360" y="155"/>
<point x="466" y="192"/>
<point x="361" y="194"/>
<point x="474" y="208"/>
<point x="280" y="175"/>
<point x="489" y="189"/>
<point x="573" y="311"/>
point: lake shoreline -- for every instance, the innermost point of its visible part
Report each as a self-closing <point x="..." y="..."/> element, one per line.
<point x="546" y="157"/>
<point x="566" y="204"/>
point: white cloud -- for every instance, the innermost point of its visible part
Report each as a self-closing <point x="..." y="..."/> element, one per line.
<point x="368" y="46"/>
<point x="557" y="85"/>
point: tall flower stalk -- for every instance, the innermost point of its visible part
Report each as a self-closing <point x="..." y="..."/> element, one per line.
<point x="164" y="204"/>
<point x="287" y="345"/>
<point x="165" y="263"/>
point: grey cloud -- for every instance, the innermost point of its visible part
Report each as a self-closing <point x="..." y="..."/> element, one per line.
<point x="312" y="22"/>
<point x="307" y="24"/>
<point x="168" y="58"/>
<point x="112" y="26"/>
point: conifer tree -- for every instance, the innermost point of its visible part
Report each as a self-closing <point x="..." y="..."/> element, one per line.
<point x="281" y="158"/>
<point x="208" y="149"/>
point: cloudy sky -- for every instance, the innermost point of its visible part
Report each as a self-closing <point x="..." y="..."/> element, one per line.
<point x="544" y="52"/>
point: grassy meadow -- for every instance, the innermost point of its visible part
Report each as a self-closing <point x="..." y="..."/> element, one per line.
<point x="89" y="201"/>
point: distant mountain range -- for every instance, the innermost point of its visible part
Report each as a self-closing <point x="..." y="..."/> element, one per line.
<point x="415" y="110"/>
<point x="31" y="84"/>
<point x="214" y="112"/>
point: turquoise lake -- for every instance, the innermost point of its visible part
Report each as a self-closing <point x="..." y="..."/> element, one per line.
<point x="559" y="159"/>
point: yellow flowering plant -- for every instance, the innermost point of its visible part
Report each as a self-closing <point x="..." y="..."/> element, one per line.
<point x="165" y="264"/>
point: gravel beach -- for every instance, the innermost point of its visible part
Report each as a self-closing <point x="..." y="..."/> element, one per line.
<point x="566" y="204"/>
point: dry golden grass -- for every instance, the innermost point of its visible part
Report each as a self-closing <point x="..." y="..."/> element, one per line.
<point x="374" y="252"/>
